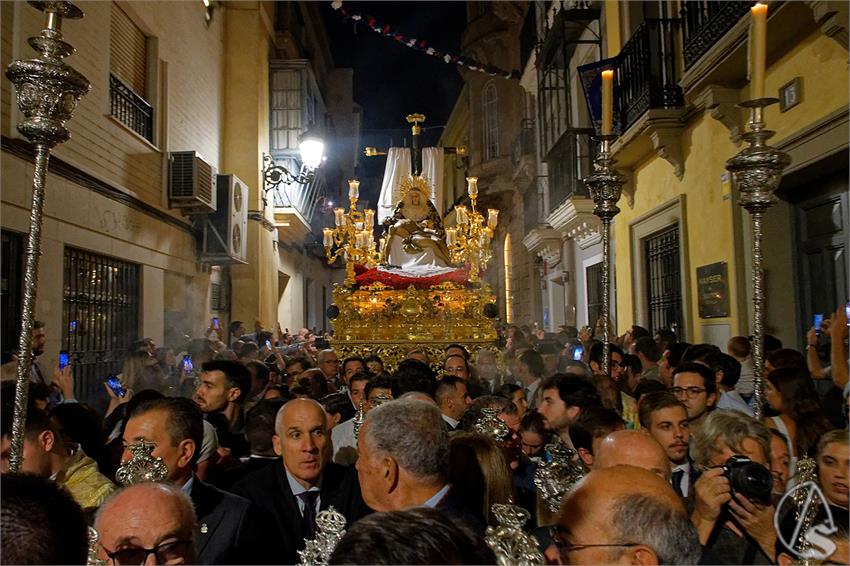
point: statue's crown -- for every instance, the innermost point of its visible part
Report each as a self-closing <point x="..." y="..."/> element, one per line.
<point x="414" y="182"/>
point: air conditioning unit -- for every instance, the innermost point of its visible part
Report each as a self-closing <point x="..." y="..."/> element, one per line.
<point x="191" y="183"/>
<point x="225" y="232"/>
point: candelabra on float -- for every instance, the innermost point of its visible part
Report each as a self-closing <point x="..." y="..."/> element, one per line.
<point x="756" y="171"/>
<point x="469" y="241"/>
<point x="353" y="236"/>
<point x="47" y="92"/>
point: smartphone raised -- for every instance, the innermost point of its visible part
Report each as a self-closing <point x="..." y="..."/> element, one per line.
<point x="188" y="368"/>
<point x="269" y="344"/>
<point x="215" y="323"/>
<point x="64" y="359"/>
<point x="578" y="352"/>
<point x="115" y="385"/>
<point x="847" y="313"/>
<point x="817" y="320"/>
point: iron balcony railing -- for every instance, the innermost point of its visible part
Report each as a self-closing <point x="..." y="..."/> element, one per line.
<point x="647" y="73"/>
<point x="704" y="22"/>
<point x="302" y="197"/>
<point x="570" y="161"/>
<point x="130" y="109"/>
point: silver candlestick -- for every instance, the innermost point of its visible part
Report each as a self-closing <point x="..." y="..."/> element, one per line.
<point x="605" y="186"/>
<point x="756" y="171"/>
<point x="47" y="92"/>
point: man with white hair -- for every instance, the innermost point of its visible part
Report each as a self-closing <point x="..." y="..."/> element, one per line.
<point x="404" y="460"/>
<point x="304" y="482"/>
<point x="147" y="519"/>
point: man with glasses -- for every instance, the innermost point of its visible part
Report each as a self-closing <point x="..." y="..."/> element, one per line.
<point x="695" y="386"/>
<point x="145" y="521"/>
<point x="625" y="515"/>
<point x="328" y="362"/>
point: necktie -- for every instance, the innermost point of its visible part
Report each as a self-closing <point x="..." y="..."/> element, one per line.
<point x="308" y="517"/>
<point x="676" y="481"/>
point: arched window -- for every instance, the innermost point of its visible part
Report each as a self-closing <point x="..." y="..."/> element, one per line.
<point x="509" y="306"/>
<point x="490" y="120"/>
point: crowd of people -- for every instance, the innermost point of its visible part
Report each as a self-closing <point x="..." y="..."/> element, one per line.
<point x="259" y="432"/>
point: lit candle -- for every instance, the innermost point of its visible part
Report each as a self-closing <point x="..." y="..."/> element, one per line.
<point x="492" y="218"/>
<point x="353" y="189"/>
<point x="461" y="215"/>
<point x="472" y="186"/>
<point x="607" y="101"/>
<point x="338" y="213"/>
<point x="450" y="236"/>
<point x="328" y="237"/>
<point x="381" y="243"/>
<point x="370" y="218"/>
<point x="758" y="37"/>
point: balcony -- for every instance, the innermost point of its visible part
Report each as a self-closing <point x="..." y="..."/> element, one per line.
<point x="130" y="109"/>
<point x="569" y="162"/>
<point x="705" y="22"/>
<point x="295" y="206"/>
<point x="647" y="74"/>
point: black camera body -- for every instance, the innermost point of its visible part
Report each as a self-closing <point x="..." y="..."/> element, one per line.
<point x="750" y="479"/>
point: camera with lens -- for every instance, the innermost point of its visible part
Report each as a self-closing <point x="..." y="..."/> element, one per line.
<point x="750" y="479"/>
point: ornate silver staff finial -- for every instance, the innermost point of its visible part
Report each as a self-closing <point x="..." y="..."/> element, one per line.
<point x="807" y="507"/>
<point x="489" y="424"/>
<point x="380" y="400"/>
<point x="93" y="559"/>
<point x="605" y="186"/>
<point x="330" y="528"/>
<point x="511" y="545"/>
<point x="142" y="466"/>
<point x="556" y="477"/>
<point x="359" y="419"/>
<point x="47" y="91"/>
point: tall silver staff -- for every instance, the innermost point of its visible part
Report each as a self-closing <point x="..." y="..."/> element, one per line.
<point x="47" y="92"/>
<point x="757" y="170"/>
<point x="605" y="186"/>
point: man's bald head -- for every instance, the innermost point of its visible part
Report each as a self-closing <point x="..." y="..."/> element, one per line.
<point x="295" y="409"/>
<point x="144" y="516"/>
<point x="632" y="448"/>
<point x="419" y="396"/>
<point x="631" y="509"/>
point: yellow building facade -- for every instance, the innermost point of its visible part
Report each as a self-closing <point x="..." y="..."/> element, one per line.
<point x="674" y="160"/>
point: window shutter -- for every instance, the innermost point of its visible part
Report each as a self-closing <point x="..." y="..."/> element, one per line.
<point x="128" y="51"/>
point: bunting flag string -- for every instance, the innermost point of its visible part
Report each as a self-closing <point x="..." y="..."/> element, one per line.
<point x="421" y="45"/>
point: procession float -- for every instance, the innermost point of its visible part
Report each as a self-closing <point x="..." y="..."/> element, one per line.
<point x="418" y="284"/>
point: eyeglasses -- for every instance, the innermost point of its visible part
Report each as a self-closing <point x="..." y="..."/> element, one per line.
<point x="565" y="548"/>
<point x="172" y="552"/>
<point x="691" y="392"/>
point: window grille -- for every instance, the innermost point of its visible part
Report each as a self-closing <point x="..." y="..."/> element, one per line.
<point x="663" y="279"/>
<point x="593" y="280"/>
<point x="100" y="311"/>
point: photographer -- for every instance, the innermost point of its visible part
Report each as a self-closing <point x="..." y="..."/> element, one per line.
<point x="731" y="512"/>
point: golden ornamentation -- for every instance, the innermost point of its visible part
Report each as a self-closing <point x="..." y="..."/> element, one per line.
<point x="469" y="240"/>
<point x="352" y="238"/>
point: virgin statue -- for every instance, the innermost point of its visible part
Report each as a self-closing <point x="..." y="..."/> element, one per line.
<point x="414" y="233"/>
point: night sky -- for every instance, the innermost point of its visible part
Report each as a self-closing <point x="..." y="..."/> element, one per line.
<point x="392" y="80"/>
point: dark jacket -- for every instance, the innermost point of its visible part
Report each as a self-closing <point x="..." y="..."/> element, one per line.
<point x="268" y="488"/>
<point x="230" y="529"/>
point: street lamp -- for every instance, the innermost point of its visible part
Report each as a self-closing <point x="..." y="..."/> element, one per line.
<point x="312" y="149"/>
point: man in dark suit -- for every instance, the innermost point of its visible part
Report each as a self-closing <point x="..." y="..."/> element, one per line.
<point x="453" y="399"/>
<point x="259" y="430"/>
<point x="295" y="490"/>
<point x="665" y="418"/>
<point x="404" y="461"/>
<point x="229" y="529"/>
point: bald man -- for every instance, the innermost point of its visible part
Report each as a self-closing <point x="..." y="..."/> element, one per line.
<point x="625" y="515"/>
<point x="147" y="519"/>
<point x="632" y="448"/>
<point x="304" y="481"/>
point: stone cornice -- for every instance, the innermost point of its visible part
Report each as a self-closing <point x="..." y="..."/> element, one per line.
<point x="546" y="243"/>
